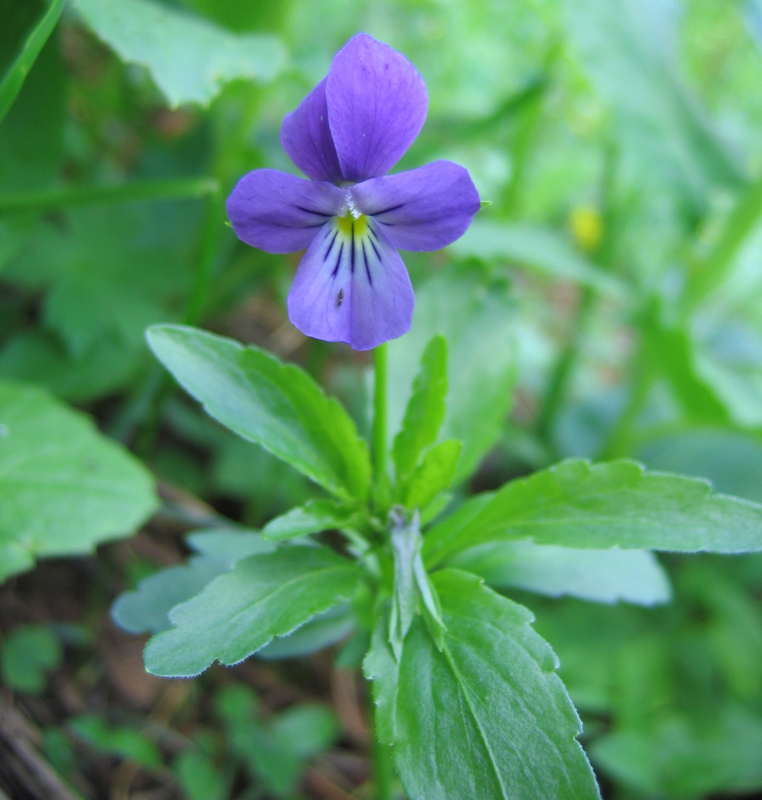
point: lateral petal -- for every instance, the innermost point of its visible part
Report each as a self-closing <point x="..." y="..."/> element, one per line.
<point x="377" y="104"/>
<point x="352" y="287"/>
<point x="306" y="136"/>
<point x="280" y="213"/>
<point x="423" y="209"/>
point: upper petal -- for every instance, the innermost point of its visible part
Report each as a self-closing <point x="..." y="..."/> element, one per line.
<point x="306" y="137"/>
<point x="280" y="213"/>
<point x="423" y="209"/>
<point x="377" y="104"/>
<point x="352" y="287"/>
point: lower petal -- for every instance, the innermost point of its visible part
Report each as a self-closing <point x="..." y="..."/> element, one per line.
<point x="280" y="213"/>
<point x="352" y="287"/>
<point x="423" y="209"/>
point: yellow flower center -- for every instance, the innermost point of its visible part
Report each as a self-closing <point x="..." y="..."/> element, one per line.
<point x="348" y="223"/>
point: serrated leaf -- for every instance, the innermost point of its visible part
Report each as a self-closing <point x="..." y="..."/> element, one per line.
<point x="275" y="405"/>
<point x="435" y="474"/>
<point x="262" y="597"/>
<point x="487" y="717"/>
<point x="189" y="58"/>
<point x="603" y="576"/>
<point x="64" y="487"/>
<point x="321" y="631"/>
<point x="425" y="410"/>
<point x="314" y="517"/>
<point x="477" y="322"/>
<point x="614" y="504"/>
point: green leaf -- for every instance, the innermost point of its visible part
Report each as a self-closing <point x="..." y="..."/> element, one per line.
<point x="477" y="321"/>
<point x="27" y="654"/>
<point x="16" y="75"/>
<point x="37" y="356"/>
<point x="199" y="778"/>
<point x="128" y="743"/>
<point x="321" y="631"/>
<point x="306" y="730"/>
<point x="435" y="474"/>
<point x="189" y="58"/>
<point x="731" y="461"/>
<point x="273" y="404"/>
<point x="487" y="717"/>
<point x="615" y="504"/>
<point x="316" y="516"/>
<point x="64" y="487"/>
<point x="538" y="249"/>
<point x="262" y="597"/>
<point x="147" y="608"/>
<point x="91" y="298"/>
<point x="603" y="576"/>
<point x="425" y="410"/>
<point x="228" y="545"/>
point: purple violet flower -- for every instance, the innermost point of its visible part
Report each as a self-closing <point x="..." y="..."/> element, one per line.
<point x="354" y="126"/>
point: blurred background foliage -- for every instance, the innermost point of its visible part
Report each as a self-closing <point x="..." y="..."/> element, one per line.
<point x="608" y="303"/>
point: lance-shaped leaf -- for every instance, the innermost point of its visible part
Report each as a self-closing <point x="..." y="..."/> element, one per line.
<point x="237" y="614"/>
<point x="614" y="504"/>
<point x="64" y="487"/>
<point x="147" y="607"/>
<point x="273" y="404"/>
<point x="189" y="58"/>
<point x="435" y="474"/>
<point x="485" y="717"/>
<point x="478" y="323"/>
<point x="603" y="576"/>
<point x="314" y="517"/>
<point x="425" y="410"/>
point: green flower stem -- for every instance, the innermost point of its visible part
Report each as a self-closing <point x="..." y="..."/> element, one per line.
<point x="60" y="199"/>
<point x="383" y="770"/>
<point x="380" y="365"/>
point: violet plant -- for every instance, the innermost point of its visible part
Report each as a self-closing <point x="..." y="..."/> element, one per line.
<point x="466" y="699"/>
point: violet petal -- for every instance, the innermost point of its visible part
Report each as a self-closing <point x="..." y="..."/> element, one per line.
<point x="423" y="209"/>
<point x="306" y="136"/>
<point x="280" y="213"/>
<point x="377" y="104"/>
<point x="352" y="288"/>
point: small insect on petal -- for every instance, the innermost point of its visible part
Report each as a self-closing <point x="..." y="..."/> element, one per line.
<point x="340" y="298"/>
